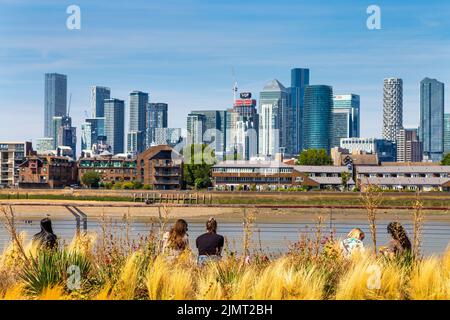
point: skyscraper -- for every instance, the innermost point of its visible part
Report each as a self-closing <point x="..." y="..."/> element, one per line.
<point x="432" y="119"/>
<point x="214" y="129"/>
<point x="392" y="108"/>
<point x="273" y="103"/>
<point x="409" y="147"/>
<point x="115" y="124"/>
<point x="195" y="128"/>
<point x="138" y="104"/>
<point x="169" y="136"/>
<point x="91" y="130"/>
<point x="446" y="133"/>
<point x="156" y="117"/>
<point x="55" y="100"/>
<point x="244" y="127"/>
<point x="299" y="81"/>
<point x="318" y="117"/>
<point x="64" y="135"/>
<point x="98" y="97"/>
<point x="345" y="118"/>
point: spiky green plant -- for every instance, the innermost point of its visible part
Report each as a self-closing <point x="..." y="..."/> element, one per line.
<point x="51" y="268"/>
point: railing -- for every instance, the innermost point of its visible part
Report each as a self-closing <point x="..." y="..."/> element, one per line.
<point x="175" y="198"/>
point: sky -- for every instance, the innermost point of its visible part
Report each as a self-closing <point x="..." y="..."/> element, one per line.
<point x="183" y="52"/>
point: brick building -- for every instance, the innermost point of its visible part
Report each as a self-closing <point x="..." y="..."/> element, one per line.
<point x="161" y="167"/>
<point x="47" y="172"/>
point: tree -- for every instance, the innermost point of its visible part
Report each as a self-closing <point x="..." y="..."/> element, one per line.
<point x="345" y="178"/>
<point x="199" y="160"/>
<point x="446" y="160"/>
<point x="91" y="179"/>
<point x="314" y="157"/>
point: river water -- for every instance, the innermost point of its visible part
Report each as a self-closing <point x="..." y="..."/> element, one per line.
<point x="271" y="237"/>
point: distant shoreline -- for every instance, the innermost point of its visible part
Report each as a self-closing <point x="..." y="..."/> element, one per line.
<point x="60" y="209"/>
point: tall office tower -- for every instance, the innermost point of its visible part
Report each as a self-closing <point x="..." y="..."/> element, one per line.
<point x="214" y="130"/>
<point x="55" y="100"/>
<point x="91" y="130"/>
<point x="409" y="147"/>
<point x="243" y="128"/>
<point x="317" y="117"/>
<point x="64" y="135"/>
<point x="446" y="133"/>
<point x="168" y="136"/>
<point x="115" y="124"/>
<point x="138" y="104"/>
<point x="432" y="119"/>
<point x="345" y="118"/>
<point x="299" y="81"/>
<point x="392" y="108"/>
<point x="156" y="117"/>
<point x="273" y="103"/>
<point x="98" y="97"/>
<point x="195" y="128"/>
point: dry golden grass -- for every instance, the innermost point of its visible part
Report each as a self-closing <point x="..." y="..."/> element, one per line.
<point x="371" y="278"/>
<point x="430" y="280"/>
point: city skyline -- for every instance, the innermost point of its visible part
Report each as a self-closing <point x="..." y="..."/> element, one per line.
<point x="165" y="67"/>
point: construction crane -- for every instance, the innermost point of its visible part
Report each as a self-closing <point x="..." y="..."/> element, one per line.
<point x="235" y="85"/>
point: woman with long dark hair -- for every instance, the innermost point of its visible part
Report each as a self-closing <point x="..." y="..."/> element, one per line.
<point x="176" y="240"/>
<point x="399" y="243"/>
<point x="46" y="239"/>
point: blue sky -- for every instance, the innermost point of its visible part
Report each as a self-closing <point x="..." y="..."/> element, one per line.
<point x="182" y="52"/>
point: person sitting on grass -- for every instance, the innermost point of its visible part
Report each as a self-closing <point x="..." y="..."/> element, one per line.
<point x="353" y="242"/>
<point x="176" y="240"/>
<point x="46" y="239"/>
<point x="399" y="244"/>
<point x="209" y="244"/>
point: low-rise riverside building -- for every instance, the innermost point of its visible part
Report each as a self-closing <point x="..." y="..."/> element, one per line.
<point x="161" y="167"/>
<point x="405" y="177"/>
<point x="111" y="168"/>
<point x="47" y="171"/>
<point x="272" y="175"/>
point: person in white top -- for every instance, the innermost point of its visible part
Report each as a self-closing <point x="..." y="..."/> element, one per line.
<point x="353" y="242"/>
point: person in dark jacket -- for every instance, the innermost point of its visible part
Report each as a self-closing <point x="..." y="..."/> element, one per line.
<point x="46" y="238"/>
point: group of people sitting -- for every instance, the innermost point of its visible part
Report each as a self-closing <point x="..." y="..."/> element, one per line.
<point x="398" y="245"/>
<point x="210" y="244"/>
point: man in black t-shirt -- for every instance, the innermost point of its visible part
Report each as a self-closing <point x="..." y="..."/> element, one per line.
<point x="209" y="244"/>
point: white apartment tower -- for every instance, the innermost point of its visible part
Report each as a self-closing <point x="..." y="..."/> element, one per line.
<point x="392" y="108"/>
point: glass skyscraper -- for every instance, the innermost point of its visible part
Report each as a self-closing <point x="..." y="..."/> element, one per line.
<point x="432" y="119"/>
<point x="138" y="104"/>
<point x="64" y="135"/>
<point x="299" y="80"/>
<point x="446" y="133"/>
<point x="55" y="100"/>
<point x="345" y="118"/>
<point x="91" y="130"/>
<point x="273" y="104"/>
<point x="318" y="117"/>
<point x="98" y="96"/>
<point x="214" y="128"/>
<point x="115" y="124"/>
<point x="156" y="117"/>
